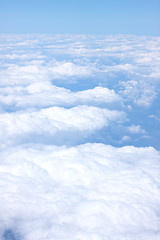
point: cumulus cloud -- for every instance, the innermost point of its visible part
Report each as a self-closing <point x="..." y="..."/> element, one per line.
<point x="142" y="94"/>
<point x="136" y="129"/>
<point x="64" y="100"/>
<point x="38" y="70"/>
<point x="118" y="72"/>
<point x="55" y="121"/>
<point x="40" y="95"/>
<point x="89" y="191"/>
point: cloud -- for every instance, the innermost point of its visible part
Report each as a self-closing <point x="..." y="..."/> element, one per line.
<point x="136" y="129"/>
<point x="55" y="121"/>
<point x="57" y="192"/>
<point x="39" y="71"/>
<point x="142" y="94"/>
<point x="64" y="100"/>
<point x="114" y="72"/>
<point x="40" y="95"/>
<point x="125" y="139"/>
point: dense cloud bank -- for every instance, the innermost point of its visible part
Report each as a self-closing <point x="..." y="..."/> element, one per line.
<point x="119" y="73"/>
<point x="91" y="191"/>
<point x="77" y="116"/>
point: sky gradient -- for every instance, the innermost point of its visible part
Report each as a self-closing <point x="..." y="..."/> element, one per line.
<point x="80" y="17"/>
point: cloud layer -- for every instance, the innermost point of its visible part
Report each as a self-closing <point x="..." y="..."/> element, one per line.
<point x="89" y="191"/>
<point x="79" y="137"/>
<point x="114" y="72"/>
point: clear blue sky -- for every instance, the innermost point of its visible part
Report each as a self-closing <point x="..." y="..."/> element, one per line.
<point x="80" y="16"/>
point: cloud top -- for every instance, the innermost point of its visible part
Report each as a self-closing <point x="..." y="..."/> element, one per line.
<point x="78" y="191"/>
<point x="79" y="137"/>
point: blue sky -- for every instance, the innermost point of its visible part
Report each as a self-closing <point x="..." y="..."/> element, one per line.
<point x="139" y="17"/>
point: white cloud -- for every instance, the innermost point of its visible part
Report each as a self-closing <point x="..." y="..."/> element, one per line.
<point x="136" y="129"/>
<point x="105" y="58"/>
<point x="74" y="193"/>
<point x="45" y="94"/>
<point x="99" y="94"/>
<point x="55" y="121"/>
<point x="125" y="139"/>
<point x="70" y="69"/>
<point x="61" y="91"/>
<point x="141" y="93"/>
<point x="39" y="70"/>
<point x="154" y="117"/>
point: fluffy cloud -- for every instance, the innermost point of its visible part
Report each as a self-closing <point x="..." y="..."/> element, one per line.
<point x="141" y="94"/>
<point x="55" y="121"/>
<point x="91" y="191"/>
<point x="41" y="95"/>
<point x="136" y="129"/>
<point x="38" y="70"/>
<point x="64" y="100"/>
<point x="117" y="72"/>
